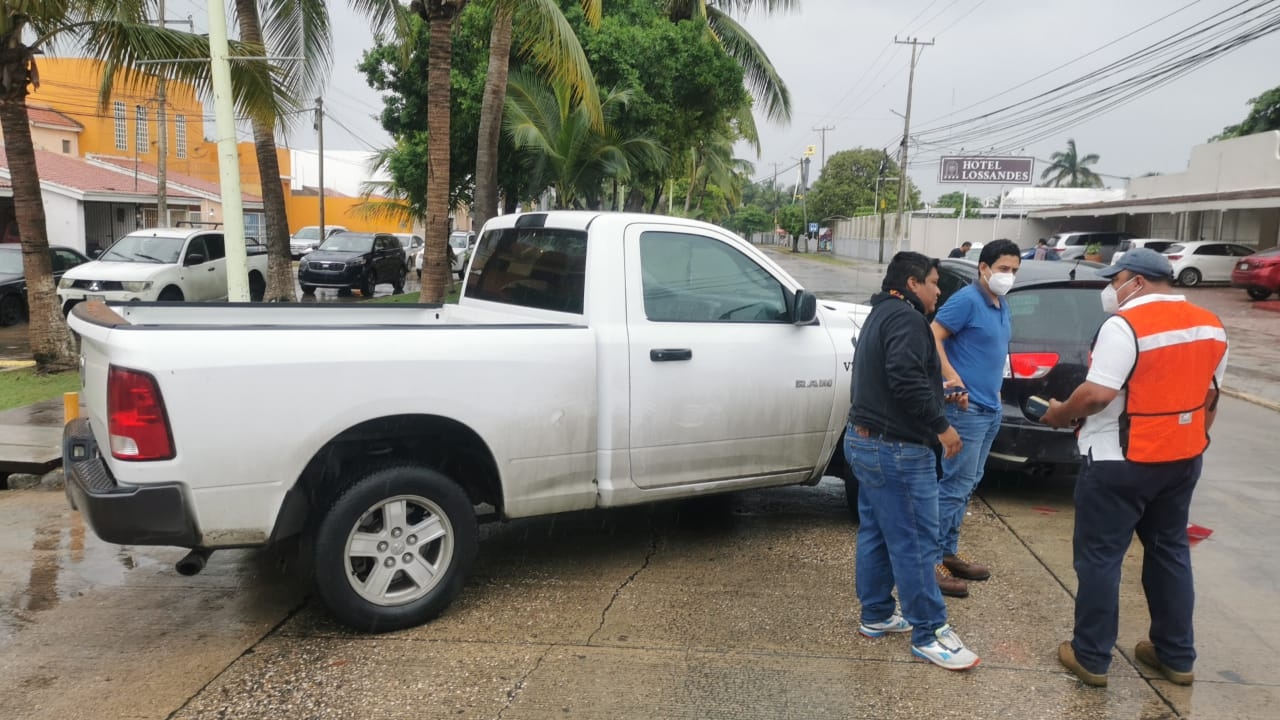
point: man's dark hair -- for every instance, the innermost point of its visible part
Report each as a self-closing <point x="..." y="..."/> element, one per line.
<point x="1042" y="241"/>
<point x="993" y="251"/>
<point x="904" y="265"/>
<point x="966" y="244"/>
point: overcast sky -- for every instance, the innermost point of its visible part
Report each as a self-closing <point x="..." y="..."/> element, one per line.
<point x="844" y="71"/>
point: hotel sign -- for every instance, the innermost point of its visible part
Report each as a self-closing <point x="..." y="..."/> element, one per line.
<point x="977" y="169"/>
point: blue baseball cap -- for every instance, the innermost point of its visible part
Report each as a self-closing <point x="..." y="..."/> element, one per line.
<point x="1142" y="261"/>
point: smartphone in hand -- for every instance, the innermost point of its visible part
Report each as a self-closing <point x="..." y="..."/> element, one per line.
<point x="1037" y="407"/>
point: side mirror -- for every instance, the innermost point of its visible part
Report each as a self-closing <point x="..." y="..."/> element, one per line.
<point x="805" y="308"/>
<point x="194" y="259"/>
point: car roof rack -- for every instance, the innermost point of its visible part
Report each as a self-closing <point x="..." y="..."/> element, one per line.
<point x="198" y="224"/>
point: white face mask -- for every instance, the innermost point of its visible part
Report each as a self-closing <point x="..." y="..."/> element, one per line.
<point x="1000" y="283"/>
<point x="1111" y="297"/>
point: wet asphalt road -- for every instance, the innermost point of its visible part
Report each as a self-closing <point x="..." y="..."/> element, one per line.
<point x="734" y="607"/>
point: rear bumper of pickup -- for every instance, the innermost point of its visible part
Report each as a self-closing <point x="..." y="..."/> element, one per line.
<point x="122" y="514"/>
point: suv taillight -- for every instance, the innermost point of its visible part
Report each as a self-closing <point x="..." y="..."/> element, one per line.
<point x="1029" y="366"/>
<point x="136" y="420"/>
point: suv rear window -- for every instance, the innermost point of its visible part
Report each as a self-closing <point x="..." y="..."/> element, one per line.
<point x="1071" y="314"/>
<point x="542" y="268"/>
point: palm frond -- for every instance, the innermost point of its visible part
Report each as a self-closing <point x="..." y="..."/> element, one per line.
<point x="760" y="75"/>
<point x="548" y="39"/>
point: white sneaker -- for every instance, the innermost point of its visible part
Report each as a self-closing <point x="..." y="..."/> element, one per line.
<point x="947" y="651"/>
<point x="895" y="624"/>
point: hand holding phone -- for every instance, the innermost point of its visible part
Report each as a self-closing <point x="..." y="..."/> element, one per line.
<point x="1037" y="407"/>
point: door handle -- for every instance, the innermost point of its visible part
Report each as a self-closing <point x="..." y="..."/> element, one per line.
<point x="210" y="269"/>
<point x="670" y="354"/>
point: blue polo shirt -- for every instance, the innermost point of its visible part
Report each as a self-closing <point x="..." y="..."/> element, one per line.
<point x="979" y="342"/>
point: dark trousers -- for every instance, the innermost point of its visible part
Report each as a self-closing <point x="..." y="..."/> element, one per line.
<point x="1114" y="500"/>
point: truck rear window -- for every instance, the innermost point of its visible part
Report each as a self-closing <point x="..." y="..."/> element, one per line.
<point x="542" y="268"/>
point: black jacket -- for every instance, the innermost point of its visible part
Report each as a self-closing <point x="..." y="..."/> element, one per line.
<point x="897" y="375"/>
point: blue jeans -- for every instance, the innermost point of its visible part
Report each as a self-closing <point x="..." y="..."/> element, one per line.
<point x="1113" y="500"/>
<point x="898" y="514"/>
<point x="961" y="474"/>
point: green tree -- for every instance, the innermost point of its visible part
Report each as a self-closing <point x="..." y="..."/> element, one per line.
<point x="571" y="154"/>
<point x="749" y="220"/>
<point x="550" y="42"/>
<point x="1263" y="116"/>
<point x="1068" y="169"/>
<point x="761" y="77"/>
<point x="849" y="182"/>
<point x="120" y="35"/>
<point x="958" y="201"/>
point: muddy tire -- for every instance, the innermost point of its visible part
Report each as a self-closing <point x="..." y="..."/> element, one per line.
<point x="397" y="283"/>
<point x="393" y="550"/>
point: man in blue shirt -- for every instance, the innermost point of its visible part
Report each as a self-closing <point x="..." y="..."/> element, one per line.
<point x="972" y="330"/>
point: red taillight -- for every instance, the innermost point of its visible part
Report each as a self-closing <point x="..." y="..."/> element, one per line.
<point x="1174" y="257"/>
<point x="1029" y="366"/>
<point x="136" y="420"/>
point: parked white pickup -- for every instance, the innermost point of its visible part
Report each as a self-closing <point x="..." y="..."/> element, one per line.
<point x="592" y="360"/>
<point x="168" y="264"/>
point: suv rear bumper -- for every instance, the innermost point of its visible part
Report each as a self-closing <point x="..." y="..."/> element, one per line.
<point x="1021" y="443"/>
<point x="122" y="514"/>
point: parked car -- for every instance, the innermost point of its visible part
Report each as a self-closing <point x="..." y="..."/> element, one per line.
<point x="1204" y="261"/>
<point x="13" y="285"/>
<point x="1030" y="254"/>
<point x="308" y="238"/>
<point x="1071" y="245"/>
<point x="354" y="261"/>
<point x="1056" y="310"/>
<point x="1258" y="274"/>
<point x="461" y="243"/>
<point x="412" y="245"/>
<point x="165" y="264"/>
<point x="1135" y="243"/>
<point x="593" y="360"/>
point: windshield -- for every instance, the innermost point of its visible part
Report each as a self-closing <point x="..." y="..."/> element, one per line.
<point x="10" y="261"/>
<point x="345" y="242"/>
<point x="144" y="248"/>
<point x="1076" y="314"/>
<point x="311" y="232"/>
<point x="458" y="242"/>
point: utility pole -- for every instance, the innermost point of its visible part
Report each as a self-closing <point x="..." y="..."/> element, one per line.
<point x="823" y="131"/>
<point x="899" y="230"/>
<point x="319" y="125"/>
<point x="228" y="155"/>
<point x="162" y="146"/>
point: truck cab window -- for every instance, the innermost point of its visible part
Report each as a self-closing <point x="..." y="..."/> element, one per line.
<point x="533" y="267"/>
<point x="690" y="278"/>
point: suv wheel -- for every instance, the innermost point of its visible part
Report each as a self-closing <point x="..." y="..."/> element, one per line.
<point x="1189" y="277"/>
<point x="397" y="283"/>
<point x="394" y="549"/>
<point x="368" y="283"/>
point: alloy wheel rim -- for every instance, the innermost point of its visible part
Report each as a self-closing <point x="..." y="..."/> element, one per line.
<point x="398" y="550"/>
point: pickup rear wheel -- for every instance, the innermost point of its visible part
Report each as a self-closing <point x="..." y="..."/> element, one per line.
<point x="257" y="287"/>
<point x="393" y="550"/>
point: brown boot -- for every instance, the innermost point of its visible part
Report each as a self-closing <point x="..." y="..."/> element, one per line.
<point x="967" y="569"/>
<point x="1067" y="656"/>
<point x="1146" y="652"/>
<point x="949" y="584"/>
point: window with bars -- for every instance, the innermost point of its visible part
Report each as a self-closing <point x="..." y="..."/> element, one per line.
<point x="142" y="136"/>
<point x="180" y="129"/>
<point x="122" y="137"/>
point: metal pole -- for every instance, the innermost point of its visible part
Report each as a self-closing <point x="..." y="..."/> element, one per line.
<point x="900" y="229"/>
<point x="320" y="144"/>
<point x="999" y="215"/>
<point x="964" y="208"/>
<point x="228" y="155"/>
<point x="162" y="146"/>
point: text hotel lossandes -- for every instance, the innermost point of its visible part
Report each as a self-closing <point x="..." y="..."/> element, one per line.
<point x="973" y="169"/>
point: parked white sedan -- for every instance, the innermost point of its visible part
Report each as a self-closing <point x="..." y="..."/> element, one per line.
<point x="1204" y="261"/>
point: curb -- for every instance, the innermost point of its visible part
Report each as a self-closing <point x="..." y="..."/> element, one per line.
<point x="1250" y="398"/>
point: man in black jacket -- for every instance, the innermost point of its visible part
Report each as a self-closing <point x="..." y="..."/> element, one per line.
<point x="896" y="422"/>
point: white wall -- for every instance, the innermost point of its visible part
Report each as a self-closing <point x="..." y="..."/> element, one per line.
<point x="859" y="238"/>
<point x="64" y="220"/>
<point x="1242" y="163"/>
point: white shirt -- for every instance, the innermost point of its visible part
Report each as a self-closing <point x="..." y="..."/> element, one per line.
<point x="1114" y="356"/>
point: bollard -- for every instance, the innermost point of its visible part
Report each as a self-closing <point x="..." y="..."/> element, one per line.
<point x="70" y="406"/>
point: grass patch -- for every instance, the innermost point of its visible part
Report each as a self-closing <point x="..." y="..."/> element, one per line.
<point x="411" y="298"/>
<point x="24" y="387"/>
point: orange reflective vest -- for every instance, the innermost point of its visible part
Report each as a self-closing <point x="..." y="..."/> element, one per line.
<point x="1179" y="348"/>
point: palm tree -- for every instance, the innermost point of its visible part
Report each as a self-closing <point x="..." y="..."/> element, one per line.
<point x="439" y="16"/>
<point x="553" y="46"/>
<point x="569" y="153"/>
<point x="1068" y="169"/>
<point x="120" y="34"/>
<point x="294" y="28"/>
<point x="761" y="77"/>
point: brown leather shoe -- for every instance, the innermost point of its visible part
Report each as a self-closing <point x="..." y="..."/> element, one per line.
<point x="966" y="569"/>
<point x="1146" y="652"/>
<point x="948" y="584"/>
<point x="1067" y="656"/>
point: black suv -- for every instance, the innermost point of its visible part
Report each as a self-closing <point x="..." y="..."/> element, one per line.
<point x="350" y="260"/>
<point x="1056" y="310"/>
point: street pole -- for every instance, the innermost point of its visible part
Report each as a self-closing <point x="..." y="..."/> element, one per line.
<point x="899" y="229"/>
<point x="228" y="155"/>
<point x="823" y="131"/>
<point x="319" y="125"/>
<point x="964" y="208"/>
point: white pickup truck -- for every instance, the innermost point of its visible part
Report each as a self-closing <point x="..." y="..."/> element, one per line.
<point x="165" y="264"/>
<point x="592" y="360"/>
